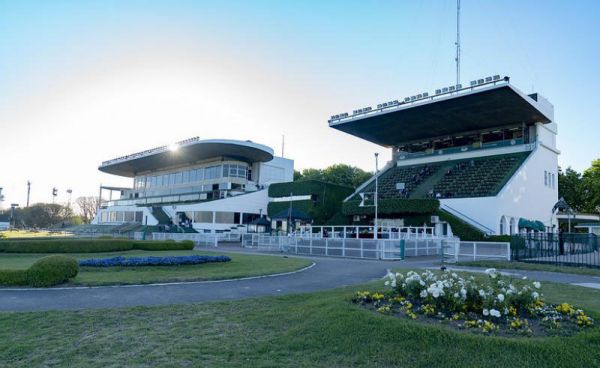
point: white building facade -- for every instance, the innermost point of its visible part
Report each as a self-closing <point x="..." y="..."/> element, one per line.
<point x="196" y="185"/>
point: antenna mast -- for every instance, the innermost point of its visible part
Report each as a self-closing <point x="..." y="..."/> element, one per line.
<point x="457" y="59"/>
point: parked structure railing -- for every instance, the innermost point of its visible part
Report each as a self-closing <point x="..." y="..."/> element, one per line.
<point x="366" y="232"/>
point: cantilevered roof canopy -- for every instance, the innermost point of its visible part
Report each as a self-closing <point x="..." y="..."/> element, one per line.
<point x="187" y="152"/>
<point x="491" y="107"/>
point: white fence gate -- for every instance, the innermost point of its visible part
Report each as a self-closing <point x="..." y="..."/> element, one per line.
<point x="477" y="250"/>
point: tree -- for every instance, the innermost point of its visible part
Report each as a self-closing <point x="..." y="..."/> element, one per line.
<point x="88" y="207"/>
<point x="591" y="187"/>
<point x="341" y="174"/>
<point x="570" y="187"/>
<point x="43" y="215"/>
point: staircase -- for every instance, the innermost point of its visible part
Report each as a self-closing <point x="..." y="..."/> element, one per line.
<point x="160" y="215"/>
<point x="428" y="184"/>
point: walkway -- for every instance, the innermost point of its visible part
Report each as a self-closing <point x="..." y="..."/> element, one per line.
<point x="327" y="273"/>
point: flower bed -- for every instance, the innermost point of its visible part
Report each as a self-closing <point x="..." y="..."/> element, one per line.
<point x="151" y="261"/>
<point x="496" y="305"/>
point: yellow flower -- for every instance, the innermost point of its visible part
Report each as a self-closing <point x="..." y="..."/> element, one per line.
<point x="565" y="308"/>
<point x="583" y="320"/>
<point x="377" y="296"/>
<point x="384" y="309"/>
<point x="512" y="311"/>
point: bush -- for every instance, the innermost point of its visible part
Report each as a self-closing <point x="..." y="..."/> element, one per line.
<point x="52" y="270"/>
<point x="88" y="245"/>
<point x="163" y="245"/>
<point x="13" y="277"/>
<point x="152" y="261"/>
<point x="393" y="207"/>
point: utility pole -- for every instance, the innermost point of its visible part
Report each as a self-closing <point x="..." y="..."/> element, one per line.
<point x="54" y="194"/>
<point x="28" y="192"/>
<point x="457" y="59"/>
<point x="375" y="228"/>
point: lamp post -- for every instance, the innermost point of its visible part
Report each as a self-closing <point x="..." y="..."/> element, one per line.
<point x="375" y="227"/>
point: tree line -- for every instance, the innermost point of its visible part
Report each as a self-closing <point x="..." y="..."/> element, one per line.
<point x="340" y="174"/>
<point x="581" y="190"/>
<point x="45" y="215"/>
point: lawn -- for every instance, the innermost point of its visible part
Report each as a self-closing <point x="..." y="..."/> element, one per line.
<point x="306" y="330"/>
<point x="12" y="234"/>
<point x="241" y="265"/>
<point x="514" y="265"/>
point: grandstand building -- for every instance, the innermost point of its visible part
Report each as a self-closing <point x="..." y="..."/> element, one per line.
<point x="193" y="186"/>
<point x="486" y="152"/>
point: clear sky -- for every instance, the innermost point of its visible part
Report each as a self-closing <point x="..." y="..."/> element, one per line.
<point x="86" y="81"/>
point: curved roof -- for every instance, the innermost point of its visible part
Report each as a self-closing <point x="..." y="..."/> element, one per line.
<point x="185" y="152"/>
<point x="486" y="108"/>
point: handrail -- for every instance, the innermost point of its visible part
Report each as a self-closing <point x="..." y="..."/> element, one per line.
<point x="468" y="219"/>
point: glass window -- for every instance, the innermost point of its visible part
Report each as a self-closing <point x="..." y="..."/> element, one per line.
<point x="224" y="218"/>
<point x="203" y="216"/>
<point x="225" y="171"/>
<point x="545" y="178"/>
<point x="186" y="177"/>
<point x="139" y="215"/>
<point x="129" y="216"/>
<point x="178" y="177"/>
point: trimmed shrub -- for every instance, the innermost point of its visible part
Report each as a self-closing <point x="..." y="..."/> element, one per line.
<point x="13" y="277"/>
<point x="152" y="261"/>
<point x="88" y="245"/>
<point x="52" y="270"/>
<point x="393" y="207"/>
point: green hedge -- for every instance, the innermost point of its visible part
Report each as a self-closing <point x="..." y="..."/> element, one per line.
<point x="393" y="207"/>
<point x="88" y="245"/>
<point x="52" y="270"/>
<point x="307" y="187"/>
<point x="326" y="198"/>
<point x="45" y="272"/>
<point x="13" y="277"/>
<point x="460" y="228"/>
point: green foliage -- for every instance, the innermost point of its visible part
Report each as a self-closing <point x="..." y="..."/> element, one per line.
<point x="581" y="191"/>
<point x="88" y="245"/>
<point x="340" y="174"/>
<point x="163" y="245"/>
<point x="52" y="270"/>
<point x="13" y="277"/>
<point x="393" y="206"/>
<point x="43" y="215"/>
<point x="326" y="198"/>
<point x="460" y="228"/>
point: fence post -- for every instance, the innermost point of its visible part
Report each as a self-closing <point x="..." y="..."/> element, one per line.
<point x="361" y="249"/>
<point x="310" y="246"/>
<point x="474" y="251"/>
<point x="344" y="245"/>
<point x="508" y="251"/>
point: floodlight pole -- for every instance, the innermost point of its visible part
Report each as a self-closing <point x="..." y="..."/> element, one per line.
<point x="457" y="42"/>
<point x="375" y="227"/>
<point x="28" y="192"/>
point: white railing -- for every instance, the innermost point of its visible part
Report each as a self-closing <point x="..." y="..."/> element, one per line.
<point x="389" y="249"/>
<point x="208" y="239"/>
<point x="355" y="232"/>
<point x="477" y="250"/>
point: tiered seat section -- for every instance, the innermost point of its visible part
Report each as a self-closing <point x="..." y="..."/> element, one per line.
<point x="411" y="176"/>
<point x="467" y="178"/>
<point x="478" y="177"/>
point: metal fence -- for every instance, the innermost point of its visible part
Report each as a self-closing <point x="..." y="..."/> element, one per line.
<point x="559" y="249"/>
<point x="359" y="232"/>
<point x="391" y="249"/>
<point x="476" y="250"/>
<point x="203" y="239"/>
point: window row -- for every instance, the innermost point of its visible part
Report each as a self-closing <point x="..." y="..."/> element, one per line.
<point x="549" y="179"/>
<point x="121" y="216"/>
<point x="191" y="176"/>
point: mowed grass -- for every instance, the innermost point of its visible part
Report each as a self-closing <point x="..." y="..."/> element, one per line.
<point x="306" y="330"/>
<point x="241" y="265"/>
<point x="514" y="265"/>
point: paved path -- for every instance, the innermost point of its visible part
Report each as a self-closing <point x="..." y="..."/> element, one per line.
<point x="327" y="273"/>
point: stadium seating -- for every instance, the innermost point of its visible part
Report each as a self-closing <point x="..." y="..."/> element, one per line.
<point x="477" y="177"/>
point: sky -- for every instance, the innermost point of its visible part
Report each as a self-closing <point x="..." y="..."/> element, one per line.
<point x="82" y="82"/>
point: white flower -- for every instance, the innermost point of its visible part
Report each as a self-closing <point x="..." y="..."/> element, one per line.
<point x="482" y="293"/>
<point x="387" y="283"/>
<point x="454" y="275"/>
<point x="422" y="283"/>
<point x="536" y="284"/>
<point x="535" y="295"/>
<point x="494" y="313"/>
<point x="506" y="310"/>
<point x="423" y="294"/>
<point x="524" y="277"/>
<point x="486" y="312"/>
<point x="500" y="297"/>
<point x="456" y="295"/>
<point x="463" y="292"/>
<point x="491" y="272"/>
